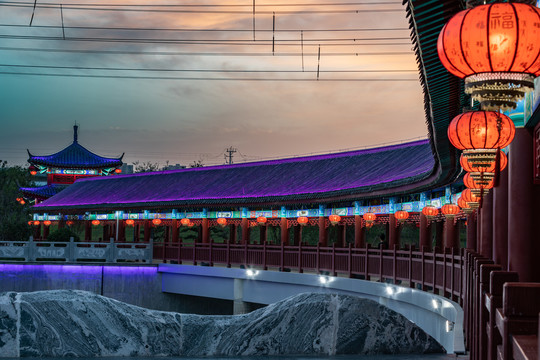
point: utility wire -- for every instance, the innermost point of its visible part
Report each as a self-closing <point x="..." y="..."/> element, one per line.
<point x="199" y="70"/>
<point x="206" y="78"/>
<point x="211" y="5"/>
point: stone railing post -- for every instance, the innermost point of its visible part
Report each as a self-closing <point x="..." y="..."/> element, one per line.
<point x="112" y="251"/>
<point x="70" y="251"/>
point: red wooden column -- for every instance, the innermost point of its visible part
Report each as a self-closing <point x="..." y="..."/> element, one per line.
<point x="393" y="232"/>
<point x="146" y="230"/>
<point x="523" y="209"/>
<point x="137" y="232"/>
<point x="46" y="232"/>
<point x="61" y="222"/>
<point x="471" y="231"/>
<point x="450" y="233"/>
<point x="262" y="233"/>
<point x="232" y="234"/>
<point x="245" y="231"/>
<point x="359" y="232"/>
<point x="284" y="231"/>
<point x="121" y="231"/>
<point x="342" y="235"/>
<point x="297" y="235"/>
<point x="323" y="235"/>
<point x="205" y="230"/>
<point x="174" y="227"/>
<point x="439" y="234"/>
<point x="486" y="238"/>
<point x="87" y="230"/>
<point x="478" y="229"/>
<point x="425" y="233"/>
<point x="500" y="221"/>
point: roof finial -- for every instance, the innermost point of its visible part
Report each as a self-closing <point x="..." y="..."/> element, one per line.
<point x="75" y="129"/>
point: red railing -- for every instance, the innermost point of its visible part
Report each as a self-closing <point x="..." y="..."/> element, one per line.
<point x="439" y="272"/>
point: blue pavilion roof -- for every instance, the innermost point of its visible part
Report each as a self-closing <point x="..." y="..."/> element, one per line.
<point x="42" y="192"/>
<point x="324" y="178"/>
<point x="75" y="156"/>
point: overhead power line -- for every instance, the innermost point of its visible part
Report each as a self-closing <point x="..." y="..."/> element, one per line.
<point x="212" y="5"/>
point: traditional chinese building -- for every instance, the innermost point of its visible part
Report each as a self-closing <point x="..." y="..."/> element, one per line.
<point x="65" y="167"/>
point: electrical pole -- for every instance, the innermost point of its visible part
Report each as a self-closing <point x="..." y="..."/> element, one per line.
<point x="229" y="155"/>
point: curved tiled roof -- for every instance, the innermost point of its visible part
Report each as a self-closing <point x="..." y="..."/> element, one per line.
<point x="342" y="176"/>
<point x="42" y="192"/>
<point x="75" y="156"/>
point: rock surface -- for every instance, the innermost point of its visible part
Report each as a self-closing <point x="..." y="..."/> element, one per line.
<point x="78" y="323"/>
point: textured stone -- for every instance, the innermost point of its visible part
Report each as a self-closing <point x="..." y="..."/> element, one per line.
<point x="77" y="323"/>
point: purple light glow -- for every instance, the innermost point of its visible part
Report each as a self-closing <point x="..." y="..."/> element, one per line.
<point x="331" y="173"/>
<point x="79" y="269"/>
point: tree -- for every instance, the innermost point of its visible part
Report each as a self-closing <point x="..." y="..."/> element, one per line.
<point x="145" y="166"/>
<point x="13" y="216"/>
<point x="196" y="164"/>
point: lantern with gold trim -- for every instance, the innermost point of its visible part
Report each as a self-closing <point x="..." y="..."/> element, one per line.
<point x="334" y="219"/>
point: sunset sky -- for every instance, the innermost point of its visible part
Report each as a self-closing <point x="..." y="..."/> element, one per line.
<point x="182" y="120"/>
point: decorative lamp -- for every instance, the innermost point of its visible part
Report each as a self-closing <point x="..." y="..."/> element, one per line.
<point x="191" y="224"/>
<point x="369" y="218"/>
<point x="22" y="202"/>
<point x="334" y="219"/>
<point x="261" y="220"/>
<point x="18" y="199"/>
<point x="30" y="223"/>
<point x="95" y="222"/>
<point x="156" y="222"/>
<point x="430" y="212"/>
<point x="33" y="172"/>
<point x="486" y="171"/>
<point x="401" y="215"/>
<point x="478" y="188"/>
<point x="36" y="223"/>
<point x="471" y="199"/>
<point x="481" y="134"/>
<point x="450" y="210"/>
<point x="495" y="48"/>
<point x="130" y="222"/>
<point x="302" y="220"/>
<point x="118" y="171"/>
<point x="222" y="222"/>
<point x="47" y="223"/>
<point x="69" y="222"/>
<point x="185" y="222"/>
<point x="464" y="206"/>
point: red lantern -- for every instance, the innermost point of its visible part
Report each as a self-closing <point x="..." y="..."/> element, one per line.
<point x="95" y="222"/>
<point x="488" y="167"/>
<point x="22" y="202"/>
<point x="401" y="215"/>
<point x="334" y="219"/>
<point x="222" y="222"/>
<point x="30" y="223"/>
<point x="130" y="222"/>
<point x="430" y="212"/>
<point x="450" y="210"/>
<point x="33" y="172"/>
<point x="495" y="48"/>
<point x="47" y="223"/>
<point x="464" y="205"/>
<point x="191" y="224"/>
<point x="477" y="188"/>
<point x="302" y="220"/>
<point x="36" y="223"/>
<point x="261" y="220"/>
<point x="118" y="171"/>
<point x="369" y="218"/>
<point x="156" y="222"/>
<point x="471" y="199"/>
<point x="185" y="222"/>
<point x="69" y="222"/>
<point x="18" y="199"/>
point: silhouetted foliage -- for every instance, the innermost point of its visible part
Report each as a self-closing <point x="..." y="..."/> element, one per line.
<point x="62" y="235"/>
<point x="13" y="216"/>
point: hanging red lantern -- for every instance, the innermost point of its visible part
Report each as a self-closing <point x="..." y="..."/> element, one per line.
<point x="471" y="199"/>
<point x="464" y="205"/>
<point x="69" y="222"/>
<point x="36" y="223"/>
<point x="261" y="220"/>
<point x="334" y="219"/>
<point x="191" y="224"/>
<point x="118" y="171"/>
<point x="495" y="48"/>
<point x="369" y="218"/>
<point x="450" y="210"/>
<point x="185" y="222"/>
<point x="33" y="172"/>
<point x="430" y="212"/>
<point x="480" y="134"/>
<point x="156" y="222"/>
<point x="487" y="170"/>
<point x="22" y="202"/>
<point x="30" y="223"/>
<point x="477" y="188"/>
<point x="18" y="199"/>
<point x="302" y="220"/>
<point x="222" y="222"/>
<point x="47" y="223"/>
<point x="130" y="222"/>
<point x="401" y="215"/>
<point x="95" y="222"/>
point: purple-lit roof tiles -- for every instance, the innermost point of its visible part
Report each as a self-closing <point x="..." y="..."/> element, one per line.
<point x="306" y="178"/>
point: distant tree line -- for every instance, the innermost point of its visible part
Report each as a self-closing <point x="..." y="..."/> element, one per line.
<point x="14" y="217"/>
